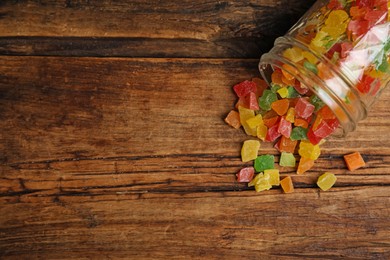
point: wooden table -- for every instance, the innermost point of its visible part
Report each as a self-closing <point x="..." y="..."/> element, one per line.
<point x="113" y="145"/>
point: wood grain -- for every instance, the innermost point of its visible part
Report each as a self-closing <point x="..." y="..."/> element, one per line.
<point x="145" y="28"/>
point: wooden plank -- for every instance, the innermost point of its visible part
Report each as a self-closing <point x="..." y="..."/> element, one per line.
<point x="145" y="29"/>
<point x="344" y="223"/>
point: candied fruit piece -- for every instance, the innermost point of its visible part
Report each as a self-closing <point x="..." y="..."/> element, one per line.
<point x="298" y="133"/>
<point x="304" y="108"/>
<point x="287" y="160"/>
<point x="254" y="121"/>
<point x="261" y="131"/>
<point x="287" y="145"/>
<point x="354" y="161"/>
<point x="272" y="133"/>
<point x="284" y="127"/>
<point x="261" y="182"/>
<point x="287" y="185"/>
<point x="246" y="114"/>
<point x="267" y="99"/>
<point x="271" y="121"/>
<point x="304" y="165"/>
<point x="274" y="179"/>
<point x="242" y="89"/>
<point x="233" y="119"/>
<point x="290" y="115"/>
<point x="280" y="106"/>
<point x="326" y="181"/>
<point x="308" y="150"/>
<point x="249" y="150"/>
<point x="245" y="174"/>
<point x="264" y="162"/>
<point x="301" y="122"/>
<point x="251" y="101"/>
<point x="283" y="92"/>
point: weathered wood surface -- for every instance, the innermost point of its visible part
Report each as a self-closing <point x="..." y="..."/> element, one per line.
<point x="130" y="157"/>
<point x="145" y="28"/>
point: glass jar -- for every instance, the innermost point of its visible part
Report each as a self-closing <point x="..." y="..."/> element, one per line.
<point x="340" y="50"/>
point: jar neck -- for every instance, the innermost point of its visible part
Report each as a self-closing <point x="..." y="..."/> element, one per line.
<point x="336" y="91"/>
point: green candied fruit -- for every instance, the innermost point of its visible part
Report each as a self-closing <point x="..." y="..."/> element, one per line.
<point x="316" y="102"/>
<point x="275" y="88"/>
<point x="298" y="133"/>
<point x="267" y="99"/>
<point x="264" y="162"/>
<point x="311" y="67"/>
<point x="287" y="160"/>
<point x="292" y="93"/>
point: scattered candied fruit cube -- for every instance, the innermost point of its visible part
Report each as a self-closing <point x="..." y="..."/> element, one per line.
<point x="280" y="106"/>
<point x="254" y="121"/>
<point x="233" y="119"/>
<point x="308" y="150"/>
<point x="287" y="185"/>
<point x="287" y="160"/>
<point x="287" y="145"/>
<point x="249" y="150"/>
<point x="261" y="182"/>
<point x="354" y="161"/>
<point x="298" y="133"/>
<point x="267" y="99"/>
<point x="246" y="114"/>
<point x="264" y="162"/>
<point x="304" y="108"/>
<point x="304" y="165"/>
<point x="290" y="115"/>
<point x="245" y="174"/>
<point x="274" y="179"/>
<point x="301" y="122"/>
<point x="284" y="127"/>
<point x="251" y="100"/>
<point x="326" y="181"/>
<point x="272" y="133"/>
<point x="283" y="92"/>
<point x="243" y="88"/>
<point x="261" y="131"/>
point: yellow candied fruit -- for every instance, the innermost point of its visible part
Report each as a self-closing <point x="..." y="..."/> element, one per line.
<point x="283" y="92"/>
<point x="290" y="116"/>
<point x="261" y="182"/>
<point x="309" y="151"/>
<point x="249" y="150"/>
<point x="294" y="54"/>
<point x="261" y="131"/>
<point x="326" y="181"/>
<point x="246" y="114"/>
<point x="274" y="179"/>
<point x="309" y="57"/>
<point x="255" y="121"/>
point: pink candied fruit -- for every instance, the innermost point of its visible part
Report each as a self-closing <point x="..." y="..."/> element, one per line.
<point x="272" y="133"/>
<point x="245" y="174"/>
<point x="284" y="127"/>
<point x="251" y="101"/>
<point x="304" y="108"/>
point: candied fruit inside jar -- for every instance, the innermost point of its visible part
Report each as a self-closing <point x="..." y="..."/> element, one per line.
<point x="336" y="60"/>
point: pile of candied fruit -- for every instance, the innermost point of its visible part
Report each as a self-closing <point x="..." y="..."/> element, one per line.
<point x="291" y="118"/>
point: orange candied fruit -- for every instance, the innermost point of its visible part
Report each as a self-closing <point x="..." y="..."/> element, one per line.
<point x="287" y="185"/>
<point x="280" y="106"/>
<point x="233" y="119"/>
<point x="354" y="161"/>
<point x="301" y="122"/>
<point x="304" y="165"/>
